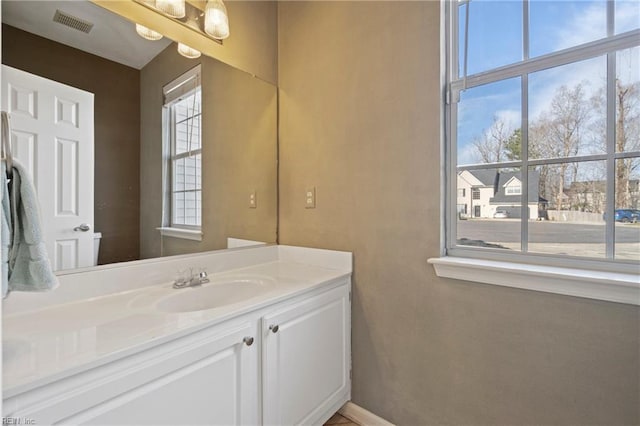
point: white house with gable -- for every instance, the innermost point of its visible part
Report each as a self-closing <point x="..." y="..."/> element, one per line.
<point x="482" y="192"/>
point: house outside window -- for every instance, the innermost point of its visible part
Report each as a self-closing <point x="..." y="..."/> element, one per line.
<point x="547" y="130"/>
<point x="513" y="187"/>
<point x="183" y="136"/>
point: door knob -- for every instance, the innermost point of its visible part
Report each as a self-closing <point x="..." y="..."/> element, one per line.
<point x="84" y="227"/>
<point x="274" y="328"/>
<point x="248" y="341"/>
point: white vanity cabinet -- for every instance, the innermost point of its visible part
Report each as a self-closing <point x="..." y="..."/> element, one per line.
<point x="306" y="359"/>
<point x="208" y="378"/>
<point x="283" y="363"/>
<point x="215" y="387"/>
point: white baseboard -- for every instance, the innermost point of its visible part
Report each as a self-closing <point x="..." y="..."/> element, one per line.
<point x="361" y="416"/>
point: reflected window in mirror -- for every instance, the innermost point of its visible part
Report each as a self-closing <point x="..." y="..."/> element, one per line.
<point x="183" y="110"/>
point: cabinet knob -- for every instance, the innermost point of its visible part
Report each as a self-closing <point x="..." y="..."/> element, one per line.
<point x="274" y="328"/>
<point x="248" y="341"/>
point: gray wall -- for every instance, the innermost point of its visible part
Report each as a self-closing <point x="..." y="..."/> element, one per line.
<point x="360" y="121"/>
<point x="239" y="155"/>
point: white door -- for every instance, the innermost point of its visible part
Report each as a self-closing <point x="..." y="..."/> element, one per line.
<point x="52" y="135"/>
<point x="306" y="360"/>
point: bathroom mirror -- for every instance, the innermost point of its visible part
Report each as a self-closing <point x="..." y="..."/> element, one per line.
<point x="145" y="194"/>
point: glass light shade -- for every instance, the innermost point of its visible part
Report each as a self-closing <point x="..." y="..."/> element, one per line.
<point x="174" y="8"/>
<point x="147" y="33"/>
<point x="188" y="52"/>
<point x="216" y="21"/>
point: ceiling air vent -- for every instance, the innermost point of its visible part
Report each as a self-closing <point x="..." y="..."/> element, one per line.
<point x="72" y="22"/>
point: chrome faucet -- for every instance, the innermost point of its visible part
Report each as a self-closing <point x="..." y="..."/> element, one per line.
<point x="193" y="280"/>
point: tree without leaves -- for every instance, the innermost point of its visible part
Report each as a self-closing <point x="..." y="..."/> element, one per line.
<point x="558" y="133"/>
<point x="627" y="134"/>
<point x="492" y="145"/>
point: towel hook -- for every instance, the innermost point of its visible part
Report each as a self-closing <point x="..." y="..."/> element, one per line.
<point x="6" y="144"/>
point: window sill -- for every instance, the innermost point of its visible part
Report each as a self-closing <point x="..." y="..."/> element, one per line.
<point x="609" y="286"/>
<point x="187" y="234"/>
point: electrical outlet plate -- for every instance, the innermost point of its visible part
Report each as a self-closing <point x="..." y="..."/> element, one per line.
<point x="310" y="197"/>
<point x="253" y="201"/>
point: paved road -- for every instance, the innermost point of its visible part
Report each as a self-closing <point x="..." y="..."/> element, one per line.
<point x="508" y="231"/>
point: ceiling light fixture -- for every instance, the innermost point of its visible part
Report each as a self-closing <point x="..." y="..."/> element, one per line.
<point x="216" y="21"/>
<point x="188" y="52"/>
<point x="174" y="8"/>
<point x="147" y="33"/>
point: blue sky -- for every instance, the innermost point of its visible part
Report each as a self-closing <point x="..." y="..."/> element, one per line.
<point x="495" y="39"/>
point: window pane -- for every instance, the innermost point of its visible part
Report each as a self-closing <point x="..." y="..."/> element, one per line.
<point x="193" y="126"/>
<point x="571" y="202"/>
<point x="188" y="135"/>
<point x="488" y="216"/>
<point x="495" y="35"/>
<point x="187" y="171"/>
<point x="188" y="106"/>
<point x="627" y="15"/>
<point x="192" y="211"/>
<point x="628" y="100"/>
<point x="187" y="123"/>
<point x="627" y="213"/>
<point x="179" y="175"/>
<point x="199" y="207"/>
<point x="179" y="137"/>
<point x="488" y="128"/>
<point x="557" y="25"/>
<point x="567" y="110"/>
<point x="193" y="172"/>
<point x="178" y="208"/>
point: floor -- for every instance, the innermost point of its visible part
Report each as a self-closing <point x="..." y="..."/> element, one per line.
<point x="337" y="419"/>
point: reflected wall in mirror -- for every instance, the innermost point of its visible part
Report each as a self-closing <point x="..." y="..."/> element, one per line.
<point x="134" y="179"/>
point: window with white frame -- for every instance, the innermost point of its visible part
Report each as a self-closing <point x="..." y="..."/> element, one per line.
<point x="543" y="116"/>
<point x="183" y="117"/>
<point x="513" y="187"/>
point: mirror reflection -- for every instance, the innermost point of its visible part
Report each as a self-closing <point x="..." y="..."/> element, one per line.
<point x="136" y="151"/>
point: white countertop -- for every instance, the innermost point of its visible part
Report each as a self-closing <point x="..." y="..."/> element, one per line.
<point x="41" y="346"/>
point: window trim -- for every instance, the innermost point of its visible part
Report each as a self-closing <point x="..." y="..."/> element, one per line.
<point x="184" y="233"/>
<point x="183" y="86"/>
<point x="594" y="278"/>
<point x="608" y="286"/>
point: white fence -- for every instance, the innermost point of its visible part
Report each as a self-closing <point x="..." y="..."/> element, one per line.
<point x="574" y="216"/>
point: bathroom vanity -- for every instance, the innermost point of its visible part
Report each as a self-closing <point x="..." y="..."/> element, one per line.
<point x="267" y="341"/>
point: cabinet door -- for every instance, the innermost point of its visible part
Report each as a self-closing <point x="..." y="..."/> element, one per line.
<point x="306" y="359"/>
<point x="215" y="387"/>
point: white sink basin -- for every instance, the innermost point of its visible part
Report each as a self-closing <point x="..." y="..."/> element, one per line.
<point x="214" y="295"/>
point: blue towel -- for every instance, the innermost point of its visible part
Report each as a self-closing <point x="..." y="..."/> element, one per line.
<point x="29" y="267"/>
<point x="5" y="228"/>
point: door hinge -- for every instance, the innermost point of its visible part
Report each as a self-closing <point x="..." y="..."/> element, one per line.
<point x="349" y="296"/>
<point x="350" y="374"/>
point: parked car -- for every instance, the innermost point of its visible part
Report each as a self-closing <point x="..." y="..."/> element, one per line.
<point x="500" y="214"/>
<point x="626" y="215"/>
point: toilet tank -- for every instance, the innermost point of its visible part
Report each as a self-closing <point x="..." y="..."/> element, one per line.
<point x="96" y="247"/>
